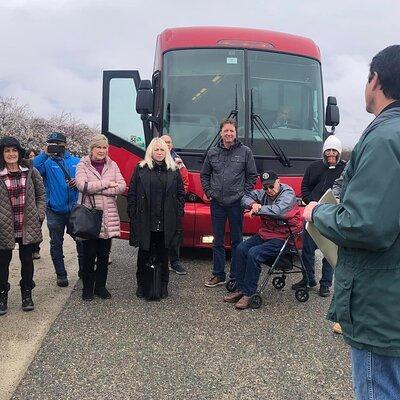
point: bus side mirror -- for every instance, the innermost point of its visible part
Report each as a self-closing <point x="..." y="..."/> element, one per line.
<point x="332" y="116"/>
<point x="144" y="99"/>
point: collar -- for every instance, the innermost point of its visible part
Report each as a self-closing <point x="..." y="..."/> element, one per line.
<point x="394" y="104"/>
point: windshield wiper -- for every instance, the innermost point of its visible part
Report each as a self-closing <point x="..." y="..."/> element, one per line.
<point x="233" y="114"/>
<point x="258" y="122"/>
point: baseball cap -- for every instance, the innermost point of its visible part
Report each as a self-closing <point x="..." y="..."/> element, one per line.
<point x="268" y="177"/>
<point x="56" y="137"/>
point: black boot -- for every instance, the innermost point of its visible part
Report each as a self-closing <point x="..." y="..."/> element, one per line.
<point x="3" y="302"/>
<point x="88" y="287"/>
<point x="164" y="290"/>
<point x="102" y="292"/>
<point x="140" y="292"/>
<point x="27" y="303"/>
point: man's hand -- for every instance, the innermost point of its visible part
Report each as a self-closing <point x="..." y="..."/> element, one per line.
<point x="255" y="208"/>
<point x="308" y="210"/>
<point x="72" y="183"/>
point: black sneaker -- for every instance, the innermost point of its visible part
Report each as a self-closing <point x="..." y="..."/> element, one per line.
<point x="178" y="269"/>
<point x="103" y="293"/>
<point x="324" y="291"/>
<point x="302" y="284"/>
<point x="27" y="303"/>
<point x="62" y="281"/>
<point x="3" y="303"/>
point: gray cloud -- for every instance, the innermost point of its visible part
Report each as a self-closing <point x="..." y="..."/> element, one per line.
<point x="55" y="51"/>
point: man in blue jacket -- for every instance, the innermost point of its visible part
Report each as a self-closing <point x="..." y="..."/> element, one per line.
<point x="365" y="226"/>
<point x="57" y="167"/>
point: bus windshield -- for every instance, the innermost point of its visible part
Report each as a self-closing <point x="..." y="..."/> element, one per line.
<point x="201" y="87"/>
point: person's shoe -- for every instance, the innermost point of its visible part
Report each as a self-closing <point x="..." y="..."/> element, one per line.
<point x="3" y="302"/>
<point x="233" y="297"/>
<point x="36" y="255"/>
<point x="87" y="296"/>
<point x="27" y="303"/>
<point x="324" y="291"/>
<point x="243" y="303"/>
<point x="102" y="292"/>
<point x="215" y="281"/>
<point x="62" y="281"/>
<point x="164" y="290"/>
<point x="336" y="328"/>
<point x="178" y="269"/>
<point x="302" y="284"/>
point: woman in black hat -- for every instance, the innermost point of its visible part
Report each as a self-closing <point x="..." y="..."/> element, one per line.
<point x="22" y="210"/>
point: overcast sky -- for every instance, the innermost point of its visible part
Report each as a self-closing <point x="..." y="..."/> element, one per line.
<point x="53" y="52"/>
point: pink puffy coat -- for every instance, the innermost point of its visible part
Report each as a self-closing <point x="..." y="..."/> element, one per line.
<point x="104" y="196"/>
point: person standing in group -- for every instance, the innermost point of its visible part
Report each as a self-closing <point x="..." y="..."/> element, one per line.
<point x="365" y="226"/>
<point x="57" y="167"/>
<point x="228" y="173"/>
<point x="174" y="251"/>
<point x="318" y="178"/>
<point x="156" y="200"/>
<point x="98" y="177"/>
<point x="22" y="210"/>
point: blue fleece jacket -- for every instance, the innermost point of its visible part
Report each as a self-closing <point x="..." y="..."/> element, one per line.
<point x="60" y="198"/>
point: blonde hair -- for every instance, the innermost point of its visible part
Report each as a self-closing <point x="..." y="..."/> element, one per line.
<point x="148" y="158"/>
<point x="97" y="140"/>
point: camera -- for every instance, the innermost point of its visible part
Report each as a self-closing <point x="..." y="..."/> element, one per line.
<point x="56" y="150"/>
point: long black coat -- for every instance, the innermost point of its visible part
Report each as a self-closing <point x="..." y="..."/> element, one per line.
<point x="139" y="206"/>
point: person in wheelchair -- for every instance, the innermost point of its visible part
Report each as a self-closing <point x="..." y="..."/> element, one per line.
<point x="276" y="205"/>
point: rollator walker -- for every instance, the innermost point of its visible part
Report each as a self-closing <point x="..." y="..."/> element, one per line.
<point x="288" y="261"/>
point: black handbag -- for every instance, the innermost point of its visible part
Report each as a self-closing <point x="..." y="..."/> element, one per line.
<point x="85" y="222"/>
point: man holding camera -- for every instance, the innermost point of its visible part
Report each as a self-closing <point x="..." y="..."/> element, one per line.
<point x="57" y="167"/>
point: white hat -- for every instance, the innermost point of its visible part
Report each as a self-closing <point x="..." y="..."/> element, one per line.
<point x="332" y="142"/>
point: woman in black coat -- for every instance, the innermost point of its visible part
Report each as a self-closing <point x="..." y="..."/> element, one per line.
<point x="156" y="201"/>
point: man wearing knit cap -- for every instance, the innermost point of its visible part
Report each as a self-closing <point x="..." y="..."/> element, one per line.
<point x="318" y="178"/>
<point x="57" y="167"/>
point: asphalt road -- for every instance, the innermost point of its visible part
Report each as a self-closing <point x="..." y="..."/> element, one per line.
<point x="189" y="346"/>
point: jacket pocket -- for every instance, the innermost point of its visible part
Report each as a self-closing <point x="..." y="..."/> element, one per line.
<point x="341" y="305"/>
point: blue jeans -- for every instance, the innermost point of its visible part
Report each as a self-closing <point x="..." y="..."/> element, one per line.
<point x="308" y="256"/>
<point x="375" y="377"/>
<point x="57" y="224"/>
<point x="250" y="254"/>
<point x="219" y="215"/>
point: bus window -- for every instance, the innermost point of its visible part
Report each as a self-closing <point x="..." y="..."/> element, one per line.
<point x="124" y="121"/>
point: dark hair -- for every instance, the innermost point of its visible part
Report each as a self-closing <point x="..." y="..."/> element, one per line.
<point x="226" y="122"/>
<point x="387" y="65"/>
<point x="29" y="151"/>
<point x="2" y="161"/>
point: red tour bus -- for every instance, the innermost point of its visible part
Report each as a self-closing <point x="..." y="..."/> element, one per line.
<point x="270" y="82"/>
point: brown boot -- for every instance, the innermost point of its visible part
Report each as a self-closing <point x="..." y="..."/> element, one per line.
<point x="233" y="297"/>
<point x="243" y="303"/>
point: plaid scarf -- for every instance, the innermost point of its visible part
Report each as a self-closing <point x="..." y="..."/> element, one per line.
<point x="16" y="183"/>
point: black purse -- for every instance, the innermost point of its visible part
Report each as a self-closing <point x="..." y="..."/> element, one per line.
<point x="85" y="222"/>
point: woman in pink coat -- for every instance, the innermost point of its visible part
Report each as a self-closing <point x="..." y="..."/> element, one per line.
<point x="97" y="175"/>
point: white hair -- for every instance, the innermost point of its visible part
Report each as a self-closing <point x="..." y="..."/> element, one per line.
<point x="148" y="157"/>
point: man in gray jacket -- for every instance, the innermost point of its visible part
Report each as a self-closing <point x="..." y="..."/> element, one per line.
<point x="228" y="172"/>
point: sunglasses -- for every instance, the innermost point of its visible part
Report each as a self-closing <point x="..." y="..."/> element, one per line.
<point x="269" y="187"/>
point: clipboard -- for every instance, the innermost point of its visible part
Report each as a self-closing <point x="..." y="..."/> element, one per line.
<point x="328" y="248"/>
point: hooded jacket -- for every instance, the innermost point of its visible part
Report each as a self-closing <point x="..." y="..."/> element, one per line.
<point x="319" y="176"/>
<point x="228" y="174"/>
<point x="60" y="197"/>
<point x="273" y="211"/>
<point x="365" y="225"/>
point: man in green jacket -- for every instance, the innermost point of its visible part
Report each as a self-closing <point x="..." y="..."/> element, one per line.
<point x="366" y="227"/>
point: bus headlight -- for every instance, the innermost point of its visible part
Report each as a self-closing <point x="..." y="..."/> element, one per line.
<point x="207" y="239"/>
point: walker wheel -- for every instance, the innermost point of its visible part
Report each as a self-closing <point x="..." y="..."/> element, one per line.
<point x="256" y="301"/>
<point x="278" y="282"/>
<point x="231" y="285"/>
<point x="301" y="295"/>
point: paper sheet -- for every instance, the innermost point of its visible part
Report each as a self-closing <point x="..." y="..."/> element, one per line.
<point x="328" y="248"/>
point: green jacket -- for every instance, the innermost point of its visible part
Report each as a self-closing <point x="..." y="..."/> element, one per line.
<point x="366" y="227"/>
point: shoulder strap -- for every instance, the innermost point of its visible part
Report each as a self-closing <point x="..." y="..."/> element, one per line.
<point x="66" y="173"/>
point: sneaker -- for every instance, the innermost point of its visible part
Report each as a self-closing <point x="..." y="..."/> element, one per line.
<point x="178" y="269"/>
<point x="62" y="281"/>
<point x="324" y="291"/>
<point x="103" y="293"/>
<point x="36" y="255"/>
<point x="3" y="303"/>
<point x="215" y="281"/>
<point x="302" y="284"/>
<point x="336" y="328"/>
<point x="27" y="303"/>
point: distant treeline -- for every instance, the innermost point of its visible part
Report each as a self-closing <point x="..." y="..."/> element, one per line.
<point x="19" y="121"/>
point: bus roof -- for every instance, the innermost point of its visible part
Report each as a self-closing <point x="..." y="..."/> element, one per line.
<point x="200" y="36"/>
